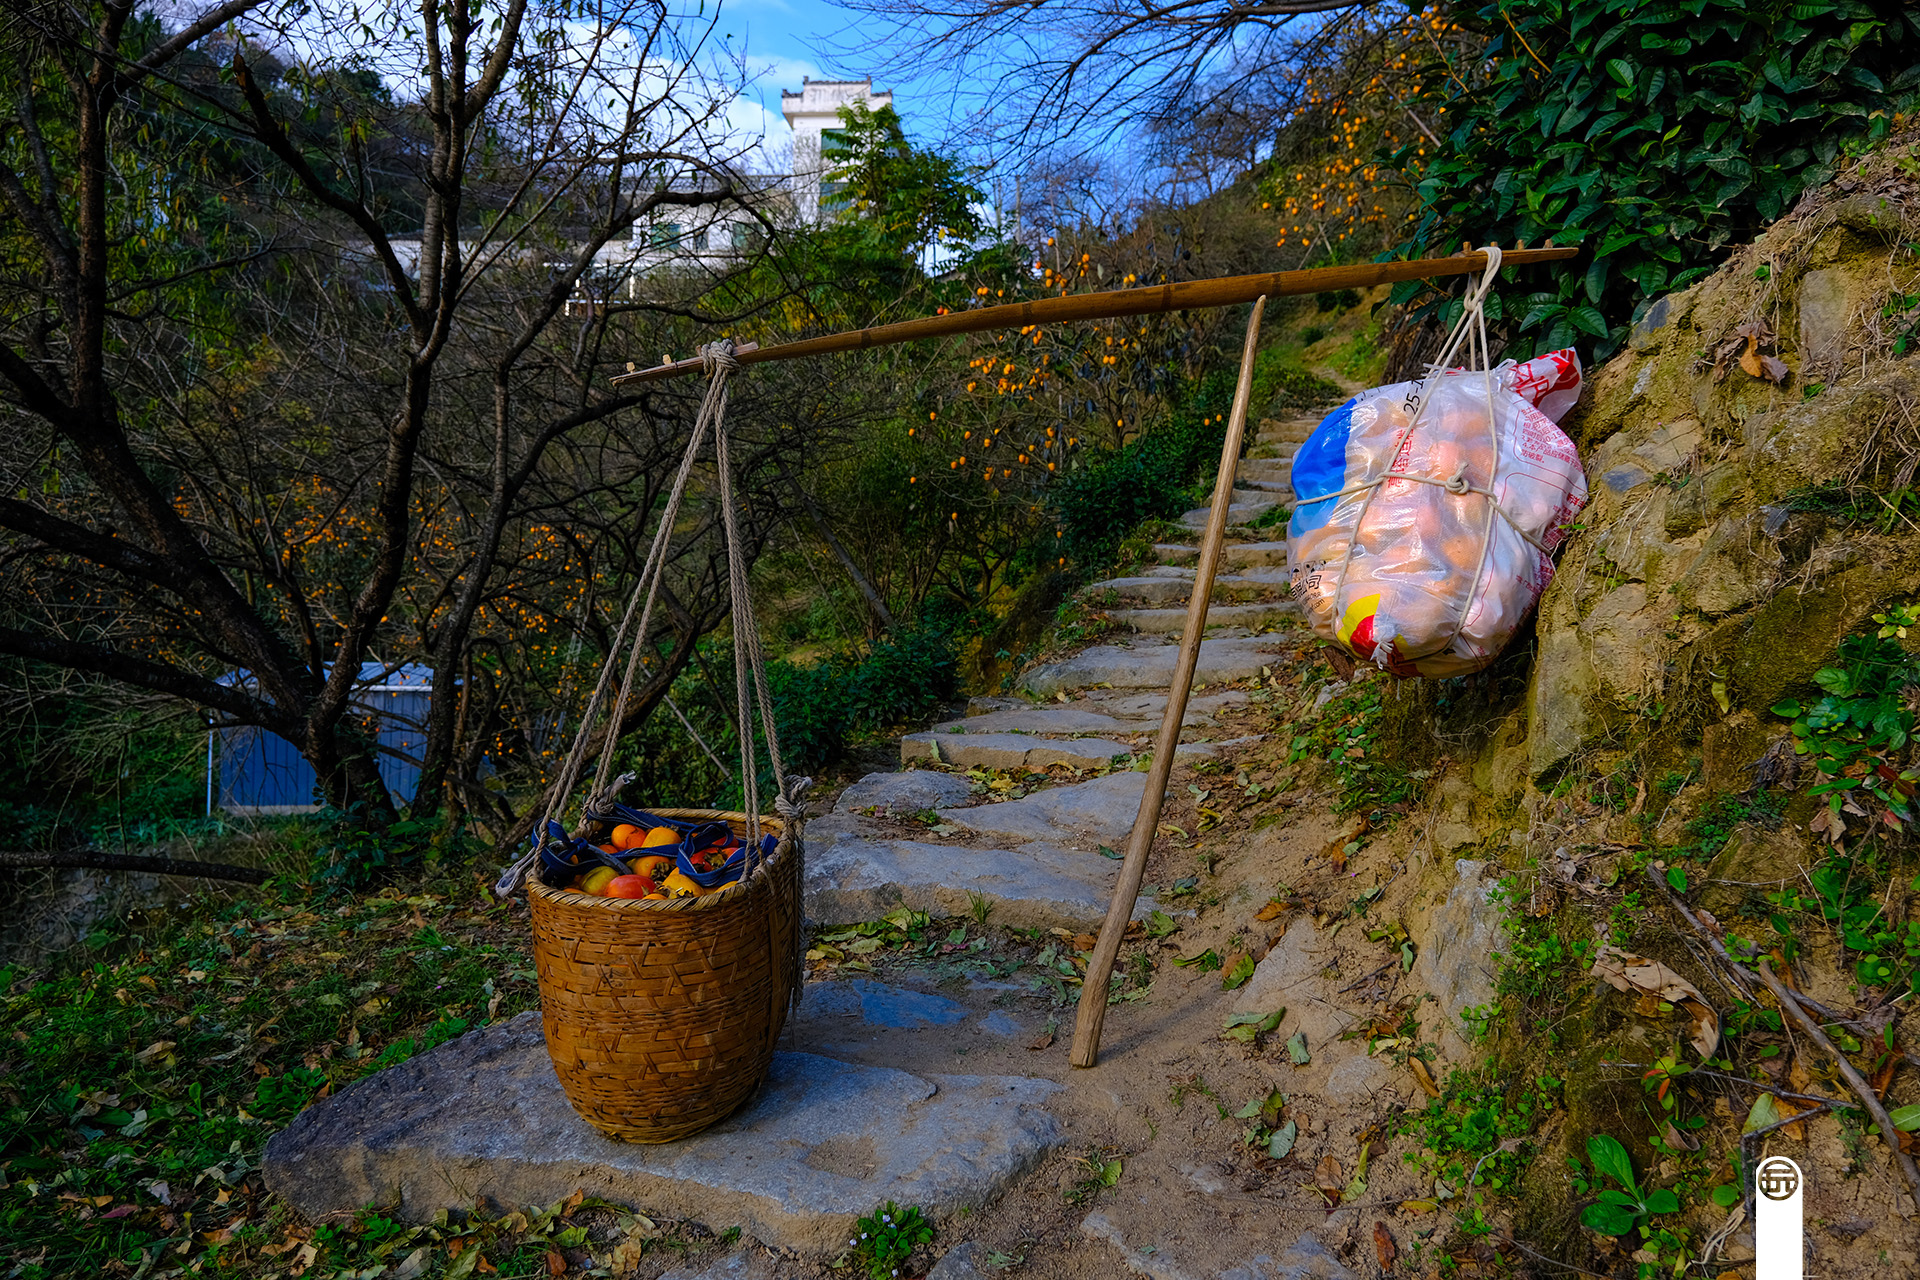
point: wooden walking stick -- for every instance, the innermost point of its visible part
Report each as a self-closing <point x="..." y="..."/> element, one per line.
<point x="1093" y="992"/>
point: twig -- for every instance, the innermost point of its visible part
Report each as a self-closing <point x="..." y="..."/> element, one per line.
<point x="100" y="859"/>
<point x="1808" y="1114"/>
<point x="1533" y="1253"/>
<point x="1361" y="982"/>
<point x="1861" y="1089"/>
<point x="1719" y="948"/>
<point x="1764" y="1087"/>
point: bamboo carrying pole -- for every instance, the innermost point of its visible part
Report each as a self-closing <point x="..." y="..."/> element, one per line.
<point x="1093" y="990"/>
<point x="1227" y="291"/>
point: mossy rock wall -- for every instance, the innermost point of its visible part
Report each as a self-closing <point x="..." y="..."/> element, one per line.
<point x="1704" y="582"/>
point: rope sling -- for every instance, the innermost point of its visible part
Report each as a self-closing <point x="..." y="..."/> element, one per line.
<point x="718" y="362"/>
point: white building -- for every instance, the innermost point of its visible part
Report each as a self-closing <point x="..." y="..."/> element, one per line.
<point x="814" y="115"/>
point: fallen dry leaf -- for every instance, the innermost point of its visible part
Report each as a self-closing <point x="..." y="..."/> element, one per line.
<point x="1329" y="1179"/>
<point x="556" y="1265"/>
<point x="1679" y="1139"/>
<point x="1041" y="1041"/>
<point x="1636" y="974"/>
<point x="1384" y="1248"/>
<point x="1423" y="1077"/>
<point x="1335" y="850"/>
<point x="1273" y="910"/>
<point x="1084" y="941"/>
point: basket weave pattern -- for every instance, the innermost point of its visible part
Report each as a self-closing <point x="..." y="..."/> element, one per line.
<point x="661" y="1017"/>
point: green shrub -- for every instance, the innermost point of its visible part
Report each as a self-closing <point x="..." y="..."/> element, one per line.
<point x="903" y="676"/>
<point x="1152" y="476"/>
<point x="1662" y="132"/>
<point x="1312" y="334"/>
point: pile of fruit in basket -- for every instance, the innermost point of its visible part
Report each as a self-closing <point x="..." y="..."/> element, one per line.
<point x="633" y="854"/>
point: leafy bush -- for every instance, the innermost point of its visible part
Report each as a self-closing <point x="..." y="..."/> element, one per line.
<point x="1857" y="735"/>
<point x="1297" y="389"/>
<point x="1312" y="334"/>
<point x="1662" y="132"/>
<point x="903" y="676"/>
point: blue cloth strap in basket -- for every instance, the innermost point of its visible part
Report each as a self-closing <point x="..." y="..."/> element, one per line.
<point x="563" y="857"/>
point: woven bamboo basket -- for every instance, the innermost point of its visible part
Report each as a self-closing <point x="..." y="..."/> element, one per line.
<point x="661" y="1017"/>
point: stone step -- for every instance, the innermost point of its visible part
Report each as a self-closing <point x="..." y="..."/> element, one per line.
<point x="1233" y="554"/>
<point x="1162" y="588"/>
<point x="1086" y="814"/>
<point x="482" y="1119"/>
<point x="1221" y="660"/>
<point x="1008" y="750"/>
<point x="1277" y="487"/>
<point x="1265" y="469"/>
<point x="1251" y="507"/>
<point x="1173" y="622"/>
<point x="1054" y="718"/>
<point x="1043" y="869"/>
<point x="1038" y="885"/>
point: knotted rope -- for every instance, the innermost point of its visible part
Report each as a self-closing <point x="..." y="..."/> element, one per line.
<point x="717" y="361"/>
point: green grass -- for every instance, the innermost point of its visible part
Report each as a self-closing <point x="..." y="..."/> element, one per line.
<point x="143" y="1078"/>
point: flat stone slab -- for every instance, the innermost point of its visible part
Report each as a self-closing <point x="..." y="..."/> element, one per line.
<point x="1211" y="749"/>
<point x="1221" y="660"/>
<point x="1046" y="719"/>
<point x="881" y="1004"/>
<point x="1009" y="750"/>
<point x="1038" y="885"/>
<point x="1256" y="505"/>
<point x="903" y="794"/>
<point x="1100" y="811"/>
<point x="1305" y="1259"/>
<point x="1174" y="621"/>
<point x="1292" y="978"/>
<point x="1169" y="583"/>
<point x="1152" y="706"/>
<point x="1233" y="553"/>
<point x="482" y="1119"/>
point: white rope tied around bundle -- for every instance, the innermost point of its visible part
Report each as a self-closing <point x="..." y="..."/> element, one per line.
<point x="1471" y="325"/>
<point x="717" y="361"/>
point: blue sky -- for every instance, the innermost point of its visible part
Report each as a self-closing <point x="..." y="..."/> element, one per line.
<point x="787" y="39"/>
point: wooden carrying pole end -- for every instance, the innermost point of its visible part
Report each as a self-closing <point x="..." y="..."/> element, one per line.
<point x="1093" y="991"/>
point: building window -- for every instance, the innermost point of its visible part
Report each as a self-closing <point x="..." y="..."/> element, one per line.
<point x="664" y="235"/>
<point x="700" y="239"/>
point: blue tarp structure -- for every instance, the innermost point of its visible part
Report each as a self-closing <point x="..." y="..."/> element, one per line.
<point x="261" y="772"/>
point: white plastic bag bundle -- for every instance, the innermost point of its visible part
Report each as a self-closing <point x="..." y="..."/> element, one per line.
<point x="1428" y="511"/>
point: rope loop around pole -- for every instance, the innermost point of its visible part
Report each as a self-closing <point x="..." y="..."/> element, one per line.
<point x="718" y="357"/>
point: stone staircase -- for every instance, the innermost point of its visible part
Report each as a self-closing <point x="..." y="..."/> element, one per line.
<point x="1250" y="594"/>
<point x="1035" y="860"/>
